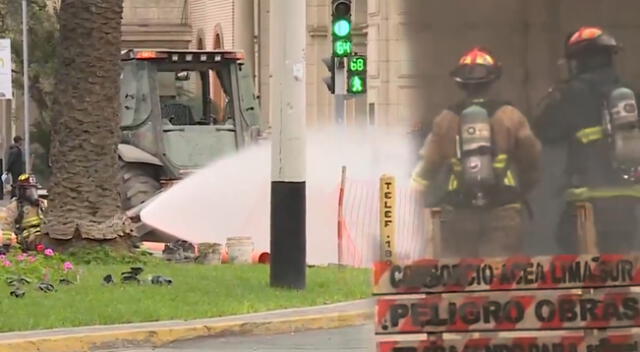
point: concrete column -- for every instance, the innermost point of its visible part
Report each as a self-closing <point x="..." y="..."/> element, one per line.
<point x="264" y="51"/>
<point x="243" y="30"/>
<point x="288" y="149"/>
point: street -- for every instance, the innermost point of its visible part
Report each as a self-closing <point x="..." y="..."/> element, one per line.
<point x="354" y="339"/>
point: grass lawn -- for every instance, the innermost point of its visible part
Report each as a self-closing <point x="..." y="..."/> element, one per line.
<point x="197" y="292"/>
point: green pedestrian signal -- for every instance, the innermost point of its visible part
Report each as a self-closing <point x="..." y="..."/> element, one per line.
<point x="357" y="74"/>
<point x="356" y="85"/>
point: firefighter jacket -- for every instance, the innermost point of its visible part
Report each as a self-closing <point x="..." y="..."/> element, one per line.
<point x="571" y="115"/>
<point x="516" y="151"/>
<point x="21" y="220"/>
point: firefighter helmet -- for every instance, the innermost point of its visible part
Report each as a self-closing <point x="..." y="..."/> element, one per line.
<point x="588" y="39"/>
<point x="27" y="180"/>
<point x="477" y="66"/>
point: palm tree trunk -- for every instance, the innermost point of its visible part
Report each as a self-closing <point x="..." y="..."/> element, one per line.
<point x="83" y="200"/>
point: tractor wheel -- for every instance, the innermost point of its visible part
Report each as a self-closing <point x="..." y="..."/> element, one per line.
<point x="139" y="183"/>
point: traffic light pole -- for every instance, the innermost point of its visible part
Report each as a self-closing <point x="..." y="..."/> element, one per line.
<point x="340" y="91"/>
<point x="288" y="155"/>
<point x="25" y="69"/>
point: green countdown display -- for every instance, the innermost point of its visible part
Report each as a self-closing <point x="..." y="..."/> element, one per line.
<point x="357" y="64"/>
<point x="342" y="48"/>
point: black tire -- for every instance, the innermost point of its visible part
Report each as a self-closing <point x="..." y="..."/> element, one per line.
<point x="139" y="183"/>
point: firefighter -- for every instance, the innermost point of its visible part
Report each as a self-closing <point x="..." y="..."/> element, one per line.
<point x="23" y="217"/>
<point x="490" y="159"/>
<point x="593" y="116"/>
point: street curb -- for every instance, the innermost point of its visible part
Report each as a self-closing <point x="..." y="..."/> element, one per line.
<point x="154" y="337"/>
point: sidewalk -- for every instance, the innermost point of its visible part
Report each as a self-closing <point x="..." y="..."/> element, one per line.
<point x="98" y="338"/>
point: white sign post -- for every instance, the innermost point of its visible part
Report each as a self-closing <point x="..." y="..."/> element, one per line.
<point x="6" y="88"/>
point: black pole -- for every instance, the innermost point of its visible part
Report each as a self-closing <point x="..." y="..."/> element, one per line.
<point x="288" y="239"/>
<point x="288" y="146"/>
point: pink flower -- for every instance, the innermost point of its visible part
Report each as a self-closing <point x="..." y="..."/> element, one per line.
<point x="68" y="266"/>
<point x="2" y="257"/>
<point x="48" y="252"/>
<point x="21" y="257"/>
<point x="32" y="259"/>
<point x="7" y="263"/>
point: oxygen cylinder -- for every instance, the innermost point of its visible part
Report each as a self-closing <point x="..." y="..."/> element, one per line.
<point x="622" y="114"/>
<point x="623" y="111"/>
<point x="476" y="148"/>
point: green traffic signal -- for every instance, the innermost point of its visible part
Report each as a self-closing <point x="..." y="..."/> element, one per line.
<point x="357" y="74"/>
<point x="341" y="28"/>
<point x="356" y="85"/>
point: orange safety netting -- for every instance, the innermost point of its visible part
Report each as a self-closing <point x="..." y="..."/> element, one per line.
<point x="358" y="222"/>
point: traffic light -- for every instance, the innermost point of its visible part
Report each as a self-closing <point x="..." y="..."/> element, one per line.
<point x="331" y="80"/>
<point x="357" y="74"/>
<point x="341" y="27"/>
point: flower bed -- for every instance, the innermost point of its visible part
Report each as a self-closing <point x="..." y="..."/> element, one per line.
<point x="43" y="269"/>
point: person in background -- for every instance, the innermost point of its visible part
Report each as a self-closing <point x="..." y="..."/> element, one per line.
<point x="15" y="162"/>
<point x="23" y="217"/>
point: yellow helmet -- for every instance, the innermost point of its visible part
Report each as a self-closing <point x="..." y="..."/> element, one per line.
<point x="27" y="180"/>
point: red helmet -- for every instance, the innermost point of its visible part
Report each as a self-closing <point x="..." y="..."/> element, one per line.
<point x="477" y="66"/>
<point x="587" y="39"/>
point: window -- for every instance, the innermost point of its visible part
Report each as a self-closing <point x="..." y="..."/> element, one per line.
<point x="135" y="102"/>
<point x="181" y="97"/>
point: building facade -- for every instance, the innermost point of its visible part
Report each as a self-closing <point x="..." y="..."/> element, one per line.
<point x="156" y="24"/>
<point x="244" y="24"/>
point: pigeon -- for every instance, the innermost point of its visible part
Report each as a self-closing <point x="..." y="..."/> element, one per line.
<point x="129" y="277"/>
<point x="108" y="279"/>
<point x="46" y="287"/>
<point x="135" y="271"/>
<point x="161" y="280"/>
<point x="17" y="293"/>
<point x="65" y="281"/>
<point x="17" y="280"/>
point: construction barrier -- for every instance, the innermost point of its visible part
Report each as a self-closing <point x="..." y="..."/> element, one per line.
<point x="565" y="303"/>
<point x="612" y="340"/>
<point x="509" y="273"/>
<point x="358" y="222"/>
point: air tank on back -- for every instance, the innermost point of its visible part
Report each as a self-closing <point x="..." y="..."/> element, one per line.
<point x="475" y="148"/>
<point x="622" y="125"/>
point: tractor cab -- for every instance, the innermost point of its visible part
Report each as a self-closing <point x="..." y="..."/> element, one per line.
<point x="180" y="110"/>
